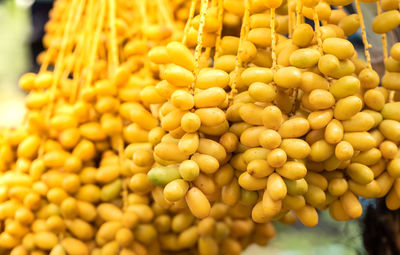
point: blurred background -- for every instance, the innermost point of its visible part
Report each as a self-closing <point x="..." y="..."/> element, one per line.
<point x="21" y="28"/>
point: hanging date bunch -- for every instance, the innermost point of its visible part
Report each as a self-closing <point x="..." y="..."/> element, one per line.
<point x="282" y="119"/>
<point x="74" y="175"/>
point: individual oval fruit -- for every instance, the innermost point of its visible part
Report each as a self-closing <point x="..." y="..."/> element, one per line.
<point x="390" y="129"/>
<point x="261" y="37"/>
<point x="272" y="117"/>
<point x="251" y="113"/>
<point x="386" y="22"/>
<point x="259" y="20"/>
<point x="169" y="152"/>
<point x="320" y="119"/>
<point x="351" y="205"/>
<point x="311" y="81"/>
<point x="303" y="35"/>
<point x="345" y="86"/>
<point x="269" y="139"/>
<point x="249" y="182"/>
<point x="304" y="58"/>
<point x="392" y="65"/>
<point x="350" y="24"/>
<point x="341" y="48"/>
<point x="388" y="5"/>
<point x="321" y="151"/>
<point x="158" y="55"/>
<point x="178" y="76"/>
<point x="211" y="97"/>
<point x="391" y="111"/>
<point x="359" y="122"/>
<point x="308" y="215"/>
<point x="226" y="63"/>
<point x="294" y="127"/>
<point x="211" y="116"/>
<point x="180" y="55"/>
<point x="296" y="187"/>
<point x="369" y="78"/>
<point x="259" y="168"/>
<point x="163" y="175"/>
<point x="390" y="80"/>
<point x="276" y="187"/>
<point x="250" y="137"/>
<point x="337" y="186"/>
<point x="395" y="51"/>
<point x="374" y="99"/>
<point x="198" y="203"/>
<point x="46" y="240"/>
<point x="74" y="246"/>
<point x="209" y="77"/>
<point x="321" y="99"/>
<point x="292" y="170"/>
<point x="182" y="99"/>
<point x="288" y="77"/>
<point x="360" y="173"/>
<point x="208" y="164"/>
<point x="262" y="92"/>
<point x="328" y="64"/>
<point x="322" y="9"/>
<point x="229" y="45"/>
<point x="361" y="141"/>
<point x="347" y="107"/>
<point x="256" y="74"/>
<point x="175" y="190"/>
<point x="295" y="148"/>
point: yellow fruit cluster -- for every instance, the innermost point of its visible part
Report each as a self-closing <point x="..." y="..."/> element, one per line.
<point x="187" y="127"/>
<point x="282" y="124"/>
<point x="73" y="178"/>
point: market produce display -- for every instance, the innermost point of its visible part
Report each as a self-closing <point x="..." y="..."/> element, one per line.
<point x="189" y="127"/>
